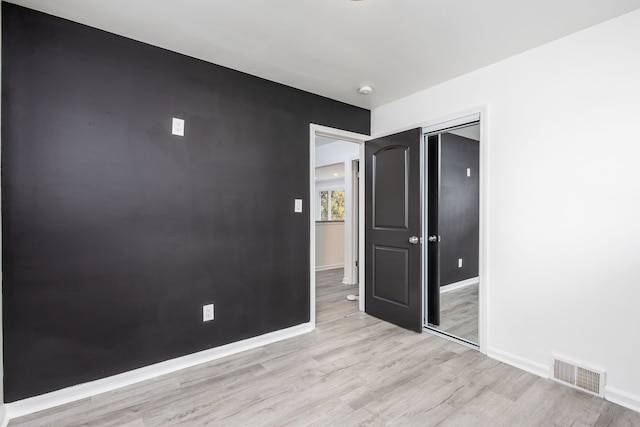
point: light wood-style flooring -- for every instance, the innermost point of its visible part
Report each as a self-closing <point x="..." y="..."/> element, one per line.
<point x="353" y="370"/>
<point x="331" y="296"/>
<point x="459" y="313"/>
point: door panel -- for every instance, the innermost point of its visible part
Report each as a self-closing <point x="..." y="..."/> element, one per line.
<point x="393" y="289"/>
<point x="387" y="286"/>
<point x="433" y="239"/>
<point x="390" y="182"/>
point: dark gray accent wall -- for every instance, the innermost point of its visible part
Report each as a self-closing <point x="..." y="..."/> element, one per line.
<point x="459" y="208"/>
<point x="115" y="232"/>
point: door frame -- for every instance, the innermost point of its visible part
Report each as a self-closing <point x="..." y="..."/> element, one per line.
<point x="351" y="275"/>
<point x="474" y="114"/>
<point x="342" y="135"/>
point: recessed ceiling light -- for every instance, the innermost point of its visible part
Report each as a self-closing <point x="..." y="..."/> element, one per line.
<point x="335" y="174"/>
<point x="365" y="90"/>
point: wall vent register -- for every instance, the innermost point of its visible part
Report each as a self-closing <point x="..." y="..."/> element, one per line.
<point x="574" y="375"/>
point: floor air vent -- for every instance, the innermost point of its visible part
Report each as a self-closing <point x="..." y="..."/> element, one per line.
<point x="580" y="377"/>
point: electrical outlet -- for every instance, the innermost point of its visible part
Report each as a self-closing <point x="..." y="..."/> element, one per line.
<point x="207" y="312"/>
<point x="297" y="205"/>
<point x="459" y="262"/>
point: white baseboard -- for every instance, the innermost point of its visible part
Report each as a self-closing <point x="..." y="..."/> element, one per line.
<point x="329" y="267"/>
<point x="4" y="419"/>
<point x="346" y="281"/>
<point x="457" y="285"/>
<point x="622" y="398"/>
<point x="82" y="391"/>
<point x="530" y="366"/>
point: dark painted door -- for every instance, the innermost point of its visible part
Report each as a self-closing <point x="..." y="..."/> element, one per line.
<point x="393" y="290"/>
<point x="433" y="234"/>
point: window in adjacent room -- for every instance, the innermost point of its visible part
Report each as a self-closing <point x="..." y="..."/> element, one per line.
<point x="331" y="205"/>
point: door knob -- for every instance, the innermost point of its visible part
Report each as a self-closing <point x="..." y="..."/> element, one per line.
<point x="433" y="238"/>
<point x="414" y="240"/>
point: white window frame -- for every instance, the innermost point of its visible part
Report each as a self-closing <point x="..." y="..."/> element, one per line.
<point x="330" y="189"/>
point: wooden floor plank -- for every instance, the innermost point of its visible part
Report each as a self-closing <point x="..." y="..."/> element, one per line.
<point x="459" y="313"/>
<point x="353" y="370"/>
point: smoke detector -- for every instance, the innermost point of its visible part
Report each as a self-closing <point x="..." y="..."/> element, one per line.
<point x="365" y="90"/>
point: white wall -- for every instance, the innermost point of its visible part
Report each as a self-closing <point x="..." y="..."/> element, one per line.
<point x="562" y="200"/>
<point x="343" y="152"/>
<point x="335" y="152"/>
<point x="329" y="245"/>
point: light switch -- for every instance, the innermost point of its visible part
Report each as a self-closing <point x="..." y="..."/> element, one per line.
<point x="468" y="172"/>
<point x="298" y="206"/>
<point x="177" y="127"/>
<point x="207" y="312"/>
<point x="459" y="262"/>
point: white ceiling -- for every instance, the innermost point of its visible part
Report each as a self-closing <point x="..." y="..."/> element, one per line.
<point x="331" y="47"/>
<point x="471" y="132"/>
<point x="323" y="140"/>
<point x="333" y="172"/>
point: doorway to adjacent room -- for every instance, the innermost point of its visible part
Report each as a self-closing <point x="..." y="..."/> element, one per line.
<point x="335" y="217"/>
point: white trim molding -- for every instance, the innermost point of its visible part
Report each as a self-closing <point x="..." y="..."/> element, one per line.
<point x="4" y="419"/>
<point x="329" y="267"/>
<point x="611" y="394"/>
<point x="461" y="284"/>
<point x="530" y="366"/>
<point x="622" y="398"/>
<point x="93" y="388"/>
<point x="458" y="121"/>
